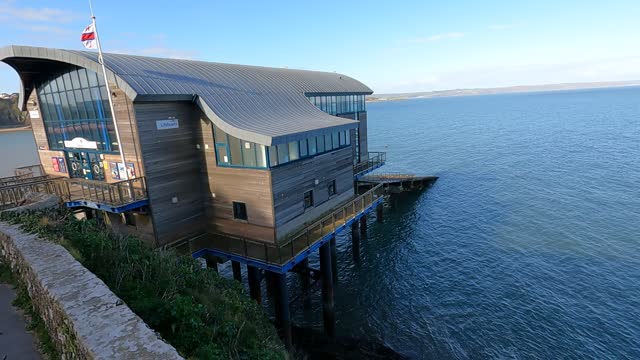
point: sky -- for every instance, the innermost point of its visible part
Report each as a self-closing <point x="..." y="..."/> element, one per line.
<point x="392" y="46"/>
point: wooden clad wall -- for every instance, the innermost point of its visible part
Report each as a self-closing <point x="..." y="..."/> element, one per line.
<point x="172" y="167"/>
<point x="126" y="121"/>
<point x="37" y="123"/>
<point x="226" y="185"/>
<point x="362" y="133"/>
<point x="291" y="181"/>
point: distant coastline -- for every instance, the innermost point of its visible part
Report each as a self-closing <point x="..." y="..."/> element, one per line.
<point x="15" y="129"/>
<point x="501" y="90"/>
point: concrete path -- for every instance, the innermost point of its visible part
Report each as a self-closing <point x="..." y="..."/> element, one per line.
<point x="16" y="343"/>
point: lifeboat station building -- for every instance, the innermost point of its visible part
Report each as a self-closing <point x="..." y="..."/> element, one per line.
<point x="251" y="164"/>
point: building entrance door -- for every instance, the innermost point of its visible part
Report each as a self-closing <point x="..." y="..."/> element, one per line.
<point x="85" y="165"/>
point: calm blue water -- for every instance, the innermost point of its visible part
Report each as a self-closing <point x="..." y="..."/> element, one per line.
<point x="16" y="149"/>
<point x="528" y="246"/>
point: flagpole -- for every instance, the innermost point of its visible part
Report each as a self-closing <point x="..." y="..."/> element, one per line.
<point x="113" y="112"/>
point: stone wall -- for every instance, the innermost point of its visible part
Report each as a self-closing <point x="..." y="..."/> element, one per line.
<point x="84" y="318"/>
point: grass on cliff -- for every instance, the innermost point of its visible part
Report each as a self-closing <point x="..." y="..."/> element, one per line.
<point x="201" y="314"/>
<point x="34" y="322"/>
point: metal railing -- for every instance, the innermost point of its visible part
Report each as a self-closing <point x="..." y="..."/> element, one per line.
<point x="14" y="180"/>
<point x="280" y="254"/>
<point x="13" y="195"/>
<point x="374" y="160"/>
<point x="30" y="170"/>
<point x="115" y="194"/>
<point x="389" y="176"/>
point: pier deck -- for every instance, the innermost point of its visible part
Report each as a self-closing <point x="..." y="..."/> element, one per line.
<point x="394" y="183"/>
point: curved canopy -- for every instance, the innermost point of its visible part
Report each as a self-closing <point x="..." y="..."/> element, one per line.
<point x="260" y="104"/>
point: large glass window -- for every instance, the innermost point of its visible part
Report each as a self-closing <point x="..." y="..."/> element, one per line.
<point x="283" y="153"/>
<point x="233" y="152"/>
<point x="74" y="104"/>
<point x="339" y="104"/>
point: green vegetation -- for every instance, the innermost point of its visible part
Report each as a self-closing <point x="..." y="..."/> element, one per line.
<point x="201" y="314"/>
<point x="10" y="115"/>
<point x="34" y="321"/>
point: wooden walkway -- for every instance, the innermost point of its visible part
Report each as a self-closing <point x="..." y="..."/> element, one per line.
<point x="74" y="192"/>
<point x="283" y="256"/>
<point x="395" y="183"/>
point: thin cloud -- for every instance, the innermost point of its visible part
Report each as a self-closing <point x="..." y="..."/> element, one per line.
<point x="438" y="37"/>
<point x="49" y="29"/>
<point x="43" y="14"/>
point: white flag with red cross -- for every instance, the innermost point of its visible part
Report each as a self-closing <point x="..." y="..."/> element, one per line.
<point x="89" y="37"/>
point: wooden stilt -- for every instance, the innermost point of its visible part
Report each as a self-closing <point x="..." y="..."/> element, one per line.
<point x="237" y="271"/>
<point x="334" y="259"/>
<point x="253" y="275"/>
<point x="355" y="240"/>
<point x="281" y="308"/>
<point x="328" y="310"/>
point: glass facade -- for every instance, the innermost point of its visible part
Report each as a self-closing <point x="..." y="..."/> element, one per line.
<point x="74" y="104"/>
<point x="233" y="152"/>
<point x="339" y="104"/>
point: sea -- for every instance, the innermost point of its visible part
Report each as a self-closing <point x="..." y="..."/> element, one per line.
<point x="527" y="246"/>
<point x="17" y="149"/>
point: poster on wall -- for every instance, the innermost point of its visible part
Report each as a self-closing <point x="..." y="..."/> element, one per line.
<point x="54" y="163"/>
<point x="62" y="165"/>
<point x="118" y="171"/>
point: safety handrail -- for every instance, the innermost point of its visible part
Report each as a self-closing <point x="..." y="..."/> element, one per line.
<point x="374" y="159"/>
<point x="302" y="240"/>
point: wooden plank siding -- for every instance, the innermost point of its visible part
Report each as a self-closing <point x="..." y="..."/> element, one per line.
<point x="226" y="185"/>
<point x="291" y="181"/>
<point x="126" y="121"/>
<point x="37" y="124"/>
<point x="172" y="166"/>
<point x="362" y="133"/>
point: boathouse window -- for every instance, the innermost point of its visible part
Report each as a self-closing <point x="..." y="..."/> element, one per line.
<point x="283" y="153"/>
<point x="294" y="153"/>
<point x="234" y="152"/>
<point x="339" y="104"/>
<point x="304" y="150"/>
<point x="332" y="188"/>
<point x="74" y="104"/>
<point x="308" y="199"/>
<point x="239" y="210"/>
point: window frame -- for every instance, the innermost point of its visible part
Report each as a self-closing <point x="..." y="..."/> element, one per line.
<point x="240" y="208"/>
<point x="307" y="205"/>
<point x="332" y="188"/>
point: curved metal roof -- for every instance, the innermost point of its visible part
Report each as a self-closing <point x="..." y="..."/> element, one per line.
<point x="260" y="104"/>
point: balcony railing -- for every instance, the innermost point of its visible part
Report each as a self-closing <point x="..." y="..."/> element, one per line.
<point x="12" y="195"/>
<point x="113" y="194"/>
<point x="281" y="254"/>
<point x="375" y="160"/>
<point x="31" y="170"/>
<point x="73" y="190"/>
